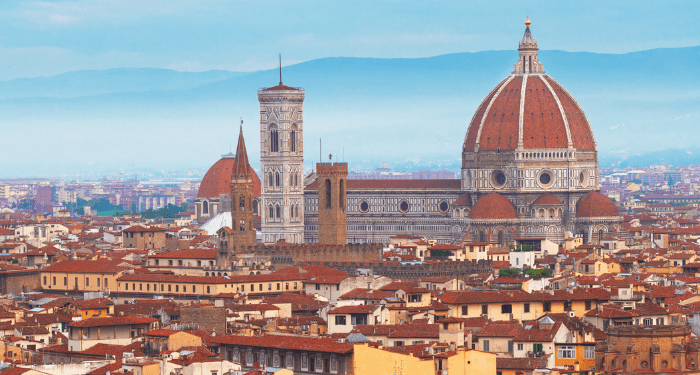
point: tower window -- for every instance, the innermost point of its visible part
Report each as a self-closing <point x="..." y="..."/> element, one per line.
<point x="274" y="140"/>
<point x="205" y="207"/>
<point x="277" y="208"/>
<point x="277" y="179"/>
<point x="241" y="203"/>
<point x="272" y="212"/>
<point x="341" y="195"/>
<point x="293" y="141"/>
<point x="328" y="194"/>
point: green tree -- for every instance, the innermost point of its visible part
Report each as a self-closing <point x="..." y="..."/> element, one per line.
<point x="508" y="272"/>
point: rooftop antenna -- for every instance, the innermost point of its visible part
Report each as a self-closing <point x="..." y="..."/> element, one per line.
<point x="320" y="151"/>
<point x="280" y="69"/>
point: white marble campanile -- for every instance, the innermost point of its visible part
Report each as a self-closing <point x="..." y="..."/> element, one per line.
<point x="282" y="163"/>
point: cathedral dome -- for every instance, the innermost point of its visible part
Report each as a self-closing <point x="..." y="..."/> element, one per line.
<point x="528" y="110"/>
<point x="493" y="206"/>
<point x="595" y="204"/>
<point x="217" y="180"/>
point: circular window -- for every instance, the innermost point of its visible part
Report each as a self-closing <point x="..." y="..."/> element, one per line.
<point x="498" y="179"/>
<point x="403" y="206"/>
<point x="443" y="206"/>
<point x="364" y="206"/>
<point x="644" y="364"/>
<point x="664" y="364"/>
<point x="583" y="178"/>
<point x="545" y="179"/>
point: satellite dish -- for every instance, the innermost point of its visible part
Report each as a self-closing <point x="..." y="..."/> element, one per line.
<point x="573" y="284"/>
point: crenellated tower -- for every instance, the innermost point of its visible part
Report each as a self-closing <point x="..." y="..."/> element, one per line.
<point x="332" y="202"/>
<point x="282" y="163"/>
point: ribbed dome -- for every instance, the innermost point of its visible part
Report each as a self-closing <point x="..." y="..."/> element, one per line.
<point x="595" y="204"/>
<point x="217" y="180"/>
<point x="493" y="206"/>
<point x="550" y="117"/>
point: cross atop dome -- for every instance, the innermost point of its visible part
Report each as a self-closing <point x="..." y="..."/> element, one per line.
<point x="527" y="57"/>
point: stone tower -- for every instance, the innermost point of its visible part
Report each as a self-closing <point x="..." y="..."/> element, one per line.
<point x="282" y="163"/>
<point x="332" y="222"/>
<point x="242" y="233"/>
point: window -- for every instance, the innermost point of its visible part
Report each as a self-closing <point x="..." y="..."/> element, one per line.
<point x="398" y="343"/>
<point x="208" y="290"/>
<point x="87" y="281"/>
<point x="293" y="141"/>
<point x="547" y="306"/>
<point x="567" y="305"/>
<point x="506" y="309"/>
<point x="486" y="345"/>
<point x="589" y="352"/>
<point x="98" y="281"/>
<point x="510" y="347"/>
<point x="484" y="309"/>
<point x="54" y="280"/>
<point x="465" y="310"/>
<point x="520" y="347"/>
<point x="526" y="308"/>
<point x="44" y="280"/>
<point x="566" y="351"/>
<point x="274" y="139"/>
<point x="588" y="305"/>
<point x="329" y="201"/>
<point x="318" y="286"/>
<point x="647" y="321"/>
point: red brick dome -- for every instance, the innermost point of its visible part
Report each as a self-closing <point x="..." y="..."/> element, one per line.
<point x="493" y="206"/>
<point x="547" y="199"/>
<point x="546" y="116"/>
<point x="595" y="204"/>
<point x="217" y="180"/>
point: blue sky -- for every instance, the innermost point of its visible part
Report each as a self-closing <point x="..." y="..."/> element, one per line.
<point x="39" y="38"/>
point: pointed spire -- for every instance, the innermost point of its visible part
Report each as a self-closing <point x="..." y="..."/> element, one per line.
<point x="242" y="166"/>
<point x="280" y="69"/>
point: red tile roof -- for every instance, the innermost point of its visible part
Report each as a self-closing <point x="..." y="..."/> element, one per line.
<point x="493" y="206"/>
<point x="112" y="321"/>
<point x="595" y="204"/>
<point x="358" y="309"/>
<point x="217" y="180"/>
<point x="547" y="199"/>
<point x="86" y="266"/>
<point x="287" y="343"/>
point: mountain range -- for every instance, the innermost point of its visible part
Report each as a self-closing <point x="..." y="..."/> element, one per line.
<point x="412" y="113"/>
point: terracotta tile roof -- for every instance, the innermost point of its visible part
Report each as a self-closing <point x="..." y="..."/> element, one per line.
<point x="499" y="329"/>
<point x="595" y="204"/>
<point x="358" y="309"/>
<point x="217" y="180"/>
<point x="86" y="266"/>
<point x="186" y="254"/>
<point x="536" y="334"/>
<point x="299" y="302"/>
<point x="504" y="363"/>
<point x="287" y="343"/>
<point x="367" y="294"/>
<point x="154" y="277"/>
<point x="547" y="199"/>
<point x="281" y="87"/>
<point x="493" y="206"/>
<point x="431" y="331"/>
<point x="143" y="307"/>
<point x="464" y="200"/>
<point x="162" y="332"/>
<point x="139" y="228"/>
<point x="112" y="368"/>
<point x="112" y="321"/>
<point x="399" y="285"/>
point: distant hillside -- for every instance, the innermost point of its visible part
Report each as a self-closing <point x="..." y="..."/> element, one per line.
<point x="412" y="113"/>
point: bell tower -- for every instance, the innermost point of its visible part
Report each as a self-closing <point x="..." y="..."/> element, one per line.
<point x="282" y="163"/>
<point x="332" y="210"/>
<point x="242" y="233"/>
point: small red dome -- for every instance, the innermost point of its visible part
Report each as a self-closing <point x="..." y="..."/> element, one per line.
<point x="545" y="117"/>
<point x="218" y="179"/>
<point x="547" y="199"/>
<point x="595" y="204"/>
<point x="493" y="206"/>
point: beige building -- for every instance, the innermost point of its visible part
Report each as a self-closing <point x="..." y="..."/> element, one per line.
<point x="141" y="238"/>
<point x="121" y="330"/>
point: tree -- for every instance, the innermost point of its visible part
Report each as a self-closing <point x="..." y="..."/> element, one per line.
<point x="508" y="272"/>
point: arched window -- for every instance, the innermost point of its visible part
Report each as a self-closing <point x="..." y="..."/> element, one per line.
<point x="482" y="236"/>
<point x="277" y="209"/>
<point x="255" y="206"/>
<point x="328" y="193"/>
<point x="277" y="179"/>
<point x="274" y="139"/>
<point x="205" y="207"/>
<point x="341" y="195"/>
<point x="600" y="235"/>
<point x="269" y="179"/>
<point x="242" y="226"/>
<point x="272" y="212"/>
<point x="293" y="140"/>
<point x="500" y="239"/>
<point x="530" y="65"/>
<point x="551" y="213"/>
